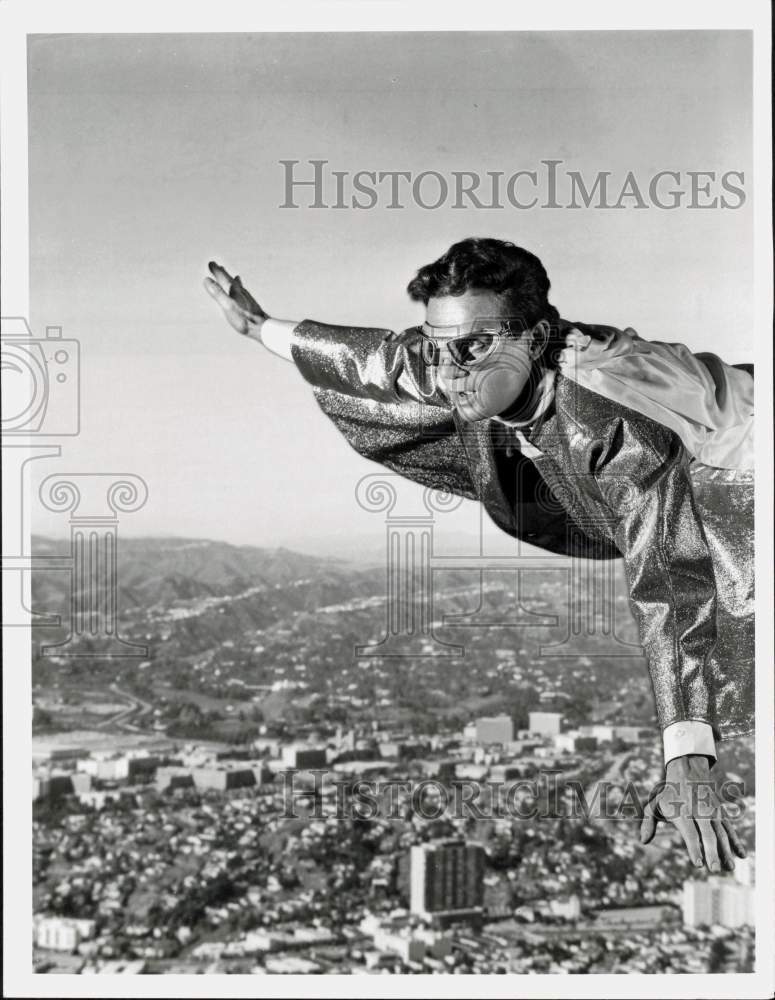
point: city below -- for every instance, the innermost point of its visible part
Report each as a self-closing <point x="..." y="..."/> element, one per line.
<point x="266" y="790"/>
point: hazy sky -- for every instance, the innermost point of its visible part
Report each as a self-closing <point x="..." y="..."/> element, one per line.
<point x="149" y="155"/>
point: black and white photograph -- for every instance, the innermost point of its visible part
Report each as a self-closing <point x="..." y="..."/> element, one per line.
<point x="387" y="549"/>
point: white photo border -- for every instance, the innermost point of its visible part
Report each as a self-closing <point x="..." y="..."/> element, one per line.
<point x="19" y="19"/>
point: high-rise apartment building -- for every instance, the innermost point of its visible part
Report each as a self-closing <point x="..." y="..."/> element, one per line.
<point x="447" y="878"/>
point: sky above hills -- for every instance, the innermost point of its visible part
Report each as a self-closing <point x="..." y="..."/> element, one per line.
<point x="150" y="155"/>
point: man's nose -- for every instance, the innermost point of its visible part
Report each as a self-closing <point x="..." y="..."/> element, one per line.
<point x="448" y="364"/>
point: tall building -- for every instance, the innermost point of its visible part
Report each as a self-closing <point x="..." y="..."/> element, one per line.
<point x="629" y="734"/>
<point x="567" y="907"/>
<point x="46" y="753"/>
<point x="575" y="742"/>
<point x="223" y="778"/>
<point x="219" y="777"/>
<point x="495" y="729"/>
<point x="62" y="933"/>
<point x="447" y="879"/>
<point x="745" y="870"/>
<point x="299" y="755"/>
<point x="52" y="785"/>
<point x="719" y="901"/>
<point x="506" y="772"/>
<point x="546" y="723"/>
<point x="469" y="731"/>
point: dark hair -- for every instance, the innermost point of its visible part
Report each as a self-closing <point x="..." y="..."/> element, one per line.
<point x="489" y="265"/>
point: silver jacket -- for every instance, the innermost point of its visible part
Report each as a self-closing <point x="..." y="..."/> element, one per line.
<point x="608" y="482"/>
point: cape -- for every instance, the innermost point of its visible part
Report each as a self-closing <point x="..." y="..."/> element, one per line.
<point x="707" y="402"/>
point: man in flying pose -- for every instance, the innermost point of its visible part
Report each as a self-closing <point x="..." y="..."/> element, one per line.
<point x="582" y="440"/>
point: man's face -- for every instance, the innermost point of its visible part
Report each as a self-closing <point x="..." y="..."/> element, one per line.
<point x="478" y="389"/>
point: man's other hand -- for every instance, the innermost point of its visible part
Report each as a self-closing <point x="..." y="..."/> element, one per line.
<point x="688" y="800"/>
<point x="239" y="307"/>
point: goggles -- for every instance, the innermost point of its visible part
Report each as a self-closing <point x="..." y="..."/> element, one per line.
<point x="470" y="350"/>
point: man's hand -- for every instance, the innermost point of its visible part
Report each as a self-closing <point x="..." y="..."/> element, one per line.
<point x="238" y="305"/>
<point x="688" y="800"/>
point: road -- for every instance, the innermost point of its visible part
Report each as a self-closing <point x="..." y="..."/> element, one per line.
<point x="135" y="709"/>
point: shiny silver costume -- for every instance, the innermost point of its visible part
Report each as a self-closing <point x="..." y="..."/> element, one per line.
<point x="607" y="481"/>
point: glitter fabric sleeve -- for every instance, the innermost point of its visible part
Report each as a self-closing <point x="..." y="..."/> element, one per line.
<point x="372" y="385"/>
<point x="691" y="596"/>
<point x="686" y="532"/>
<point x="642" y="473"/>
<point x="366" y="362"/>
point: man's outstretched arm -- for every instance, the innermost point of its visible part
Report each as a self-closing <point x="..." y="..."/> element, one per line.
<point x="641" y="471"/>
<point x="365" y="362"/>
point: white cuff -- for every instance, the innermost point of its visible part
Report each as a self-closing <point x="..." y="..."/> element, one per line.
<point x="691" y="737"/>
<point x="277" y="336"/>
